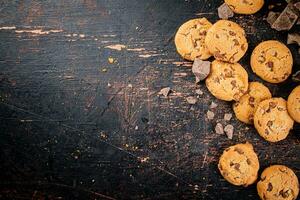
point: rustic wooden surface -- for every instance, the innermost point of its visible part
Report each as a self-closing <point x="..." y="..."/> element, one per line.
<point x="74" y="126"/>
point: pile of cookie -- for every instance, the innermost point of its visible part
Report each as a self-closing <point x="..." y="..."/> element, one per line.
<point x="273" y="117"/>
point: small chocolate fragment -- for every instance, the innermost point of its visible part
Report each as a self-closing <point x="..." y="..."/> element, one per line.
<point x="293" y="38"/>
<point x="201" y="69"/>
<point x="210" y="115"/>
<point x="199" y="92"/>
<point x="213" y="105"/>
<point x="270" y="187"/>
<point x="229" y="131"/>
<point x="219" y="129"/>
<point x="225" y="12"/>
<point x="286" y="19"/>
<point x="165" y="91"/>
<point x="191" y="100"/>
<point x="227" y="116"/>
<point x="296" y="76"/>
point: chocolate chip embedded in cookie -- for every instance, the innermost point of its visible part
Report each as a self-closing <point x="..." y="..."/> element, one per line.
<point x="278" y="182"/>
<point x="272" y="120"/>
<point x="245" y="6"/>
<point x="245" y="108"/>
<point x="226" y="40"/>
<point x="227" y="81"/>
<point x="293" y="104"/>
<point x="190" y="37"/>
<point x="272" y="61"/>
<point x="239" y="164"/>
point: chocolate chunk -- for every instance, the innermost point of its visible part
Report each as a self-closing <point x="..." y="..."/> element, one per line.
<point x="286" y="19"/>
<point x="293" y="38"/>
<point x="236" y="43"/>
<point x="225" y="12"/>
<point x="297" y="6"/>
<point x="191" y="100"/>
<point x="261" y="59"/>
<point x="201" y="69"/>
<point x="248" y="161"/>
<point x="270" y="187"/>
<point x="219" y="129"/>
<point x="269" y="123"/>
<point x="272" y="16"/>
<point x="240" y="151"/>
<point x="237" y="166"/>
<point x="296" y="76"/>
<point x="199" y="92"/>
<point x="229" y="131"/>
<point x="270" y="64"/>
<point x="213" y="105"/>
<point x="233" y="83"/>
<point x="284" y="194"/>
<point x="165" y="91"/>
<point x="232" y="33"/>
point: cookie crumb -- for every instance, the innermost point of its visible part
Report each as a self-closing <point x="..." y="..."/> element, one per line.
<point x="201" y="69"/>
<point x="213" y="105"/>
<point x="229" y="131"/>
<point x="191" y="100"/>
<point x="219" y="129"/>
<point x="293" y="38"/>
<point x="227" y="116"/>
<point x="210" y="115"/>
<point x="225" y="12"/>
<point x="165" y="91"/>
<point x="199" y="92"/>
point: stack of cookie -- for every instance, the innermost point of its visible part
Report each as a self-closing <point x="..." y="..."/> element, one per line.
<point x="273" y="118"/>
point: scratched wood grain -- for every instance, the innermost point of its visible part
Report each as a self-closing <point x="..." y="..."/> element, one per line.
<point x="75" y="126"/>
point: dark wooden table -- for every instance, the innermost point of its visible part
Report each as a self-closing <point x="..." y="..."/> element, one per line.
<point x="74" y="126"/>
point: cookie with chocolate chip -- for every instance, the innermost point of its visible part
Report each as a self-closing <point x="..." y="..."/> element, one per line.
<point x="278" y="182"/>
<point x="272" y="120"/>
<point x="226" y="40"/>
<point x="293" y="104"/>
<point x="245" y="6"/>
<point x="245" y="108"/>
<point x="227" y="81"/>
<point x="272" y="61"/>
<point x="190" y="37"/>
<point x="239" y="164"/>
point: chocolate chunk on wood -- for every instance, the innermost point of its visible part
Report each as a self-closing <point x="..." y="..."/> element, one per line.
<point x="227" y="116"/>
<point x="293" y="38"/>
<point x="165" y="91"/>
<point x="199" y="92"/>
<point x="213" y="105"/>
<point x="201" y="69"/>
<point x="210" y="115"/>
<point x="225" y="12"/>
<point x="229" y="131"/>
<point x="219" y="129"/>
<point x="286" y="19"/>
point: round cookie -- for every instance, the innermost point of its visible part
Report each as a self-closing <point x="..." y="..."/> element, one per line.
<point x="278" y="182"/>
<point x="245" y="6"/>
<point x="245" y="108"/>
<point x="239" y="164"/>
<point x="272" y="61"/>
<point x="272" y="120"/>
<point x="293" y="104"/>
<point x="190" y="39"/>
<point x="227" y="81"/>
<point x="226" y="40"/>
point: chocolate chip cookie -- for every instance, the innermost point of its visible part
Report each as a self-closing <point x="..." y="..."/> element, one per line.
<point x="272" y="120"/>
<point x="245" y="6"/>
<point x="272" y="61"/>
<point x="226" y="40"/>
<point x="239" y="164"/>
<point x="245" y="108"/>
<point x="227" y="81"/>
<point x="293" y="104"/>
<point x="190" y="37"/>
<point x="278" y="182"/>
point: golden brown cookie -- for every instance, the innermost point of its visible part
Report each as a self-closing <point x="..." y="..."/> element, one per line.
<point x="226" y="40"/>
<point x="293" y="104"/>
<point x="190" y="39"/>
<point x="278" y="182"/>
<point x="245" y="6"/>
<point x="272" y="61"/>
<point x="272" y="120"/>
<point x="239" y="164"/>
<point x="245" y="108"/>
<point x="227" y="81"/>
